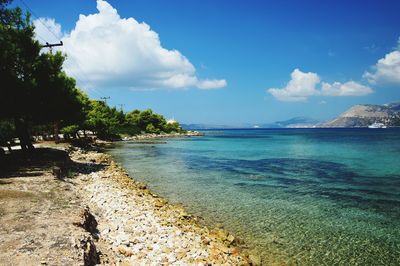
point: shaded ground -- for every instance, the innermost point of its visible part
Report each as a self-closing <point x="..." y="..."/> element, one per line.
<point x="38" y="211"/>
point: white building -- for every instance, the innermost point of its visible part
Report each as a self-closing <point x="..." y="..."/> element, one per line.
<point x="171" y="121"/>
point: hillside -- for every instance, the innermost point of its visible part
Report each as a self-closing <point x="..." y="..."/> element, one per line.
<point x="361" y="115"/>
<point x="298" y="122"/>
<point x="364" y="115"/>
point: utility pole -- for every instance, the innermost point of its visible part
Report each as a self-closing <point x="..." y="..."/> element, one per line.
<point x="56" y="123"/>
<point x="105" y="99"/>
<point x="51" y="45"/>
<point x="121" y="105"/>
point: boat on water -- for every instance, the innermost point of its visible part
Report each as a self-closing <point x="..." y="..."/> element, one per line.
<point x="377" y="125"/>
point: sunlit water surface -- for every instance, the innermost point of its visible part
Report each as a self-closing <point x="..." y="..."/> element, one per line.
<point x="310" y="196"/>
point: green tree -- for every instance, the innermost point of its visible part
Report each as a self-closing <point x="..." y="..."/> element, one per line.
<point x="36" y="91"/>
<point x="58" y="100"/>
<point x="172" y="127"/>
<point x="106" y="122"/>
<point x="70" y="131"/>
<point x="131" y="126"/>
<point x="18" y="54"/>
<point x="147" y="121"/>
<point x="151" y="129"/>
<point x="147" y="117"/>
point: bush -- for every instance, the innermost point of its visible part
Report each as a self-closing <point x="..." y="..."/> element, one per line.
<point x="151" y="129"/>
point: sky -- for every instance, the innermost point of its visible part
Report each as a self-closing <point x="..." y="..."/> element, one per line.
<point x="228" y="62"/>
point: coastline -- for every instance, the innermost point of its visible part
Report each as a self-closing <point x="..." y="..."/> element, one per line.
<point x="144" y="228"/>
<point x="164" y="135"/>
<point x="126" y="224"/>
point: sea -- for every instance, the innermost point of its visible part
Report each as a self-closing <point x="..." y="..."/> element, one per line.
<point x="294" y="196"/>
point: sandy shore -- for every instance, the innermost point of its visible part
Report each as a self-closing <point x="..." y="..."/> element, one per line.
<point x="105" y="217"/>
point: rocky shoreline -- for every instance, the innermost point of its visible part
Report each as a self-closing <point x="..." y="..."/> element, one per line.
<point x="138" y="227"/>
<point x="164" y="135"/>
<point x="104" y="217"/>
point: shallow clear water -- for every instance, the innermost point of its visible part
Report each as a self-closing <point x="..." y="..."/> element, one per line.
<point x="310" y="196"/>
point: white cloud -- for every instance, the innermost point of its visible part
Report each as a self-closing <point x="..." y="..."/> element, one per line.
<point x="387" y="69"/>
<point x="349" y="88"/>
<point x="303" y="85"/>
<point x="121" y="52"/>
<point x="47" y="30"/>
<point x="211" y="84"/>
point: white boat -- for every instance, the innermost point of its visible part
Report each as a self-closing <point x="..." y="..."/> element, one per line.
<point x="377" y="125"/>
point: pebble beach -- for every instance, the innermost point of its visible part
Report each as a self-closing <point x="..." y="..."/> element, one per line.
<point x="140" y="228"/>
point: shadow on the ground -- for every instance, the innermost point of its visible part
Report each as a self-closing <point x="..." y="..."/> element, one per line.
<point x="37" y="162"/>
<point x="4" y="182"/>
<point x="86" y="168"/>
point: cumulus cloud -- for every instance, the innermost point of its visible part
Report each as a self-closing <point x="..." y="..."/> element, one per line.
<point x="349" y="88"/>
<point x="121" y="52"/>
<point x="46" y="29"/>
<point x="303" y="85"/>
<point x="387" y="69"/>
<point x="211" y="84"/>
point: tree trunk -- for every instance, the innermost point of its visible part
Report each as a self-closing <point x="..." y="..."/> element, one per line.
<point x="21" y="128"/>
<point x="56" y="132"/>
<point x="27" y="136"/>
<point x="18" y="129"/>
<point x="9" y="147"/>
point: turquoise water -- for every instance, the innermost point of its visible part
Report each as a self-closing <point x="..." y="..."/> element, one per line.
<point x="305" y="196"/>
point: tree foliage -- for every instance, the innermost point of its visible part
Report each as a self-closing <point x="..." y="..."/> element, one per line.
<point x="36" y="91"/>
<point x="103" y="120"/>
<point x="36" y="94"/>
<point x="149" y="122"/>
<point x="18" y="56"/>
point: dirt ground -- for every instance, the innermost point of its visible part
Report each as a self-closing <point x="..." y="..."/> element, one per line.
<point x="39" y="213"/>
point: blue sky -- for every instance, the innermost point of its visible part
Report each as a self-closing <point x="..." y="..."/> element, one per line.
<point x="231" y="54"/>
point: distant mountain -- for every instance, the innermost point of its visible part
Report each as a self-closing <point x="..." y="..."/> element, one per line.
<point x="394" y="106"/>
<point x="298" y="122"/>
<point x="363" y="115"/>
<point x="204" y="126"/>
